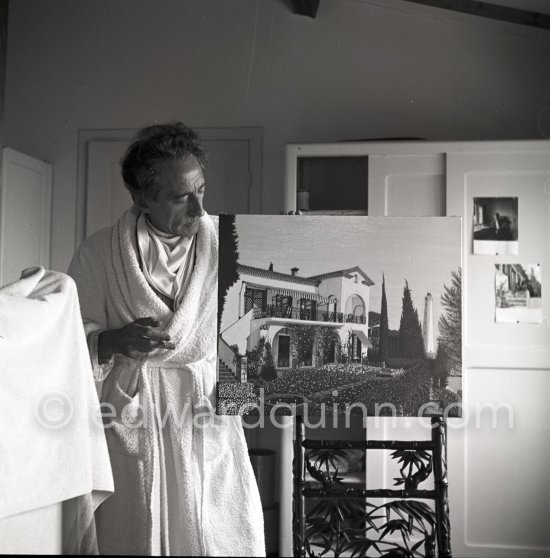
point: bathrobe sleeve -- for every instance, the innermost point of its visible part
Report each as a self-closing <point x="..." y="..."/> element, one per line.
<point x="87" y="269"/>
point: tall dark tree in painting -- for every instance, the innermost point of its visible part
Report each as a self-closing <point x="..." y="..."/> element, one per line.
<point x="440" y="367"/>
<point x="384" y="328"/>
<point x="229" y="256"/>
<point x="411" y="344"/>
<point x="268" y="371"/>
<point x="450" y="322"/>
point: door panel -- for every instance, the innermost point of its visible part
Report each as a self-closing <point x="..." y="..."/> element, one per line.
<point x="498" y="472"/>
<point x="25" y="214"/>
<point x="407" y="185"/>
<point x="228" y="176"/>
<point x="515" y="174"/>
<point x="107" y="197"/>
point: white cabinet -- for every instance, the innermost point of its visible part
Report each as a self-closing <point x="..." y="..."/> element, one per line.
<point x="368" y="178"/>
<point x="499" y="456"/>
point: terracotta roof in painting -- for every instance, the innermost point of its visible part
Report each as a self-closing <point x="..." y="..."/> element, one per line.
<point x="268" y="274"/>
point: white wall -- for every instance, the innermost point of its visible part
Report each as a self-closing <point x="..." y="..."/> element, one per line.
<point x="231" y="311"/>
<point x="361" y="69"/>
<point x="332" y="286"/>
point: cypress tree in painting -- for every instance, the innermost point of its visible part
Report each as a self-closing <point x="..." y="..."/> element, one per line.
<point x="228" y="259"/>
<point x="450" y="322"/>
<point x="384" y="328"/>
<point x="411" y="343"/>
<point x="268" y="372"/>
<point x="440" y="368"/>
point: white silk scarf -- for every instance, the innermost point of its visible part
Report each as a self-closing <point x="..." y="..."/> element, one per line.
<point x="167" y="259"/>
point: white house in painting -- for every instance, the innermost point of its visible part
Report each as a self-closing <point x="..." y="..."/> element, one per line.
<point x="268" y="303"/>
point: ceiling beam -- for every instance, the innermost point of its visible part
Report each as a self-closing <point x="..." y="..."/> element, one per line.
<point x="492" y="11"/>
<point x="306" y="7"/>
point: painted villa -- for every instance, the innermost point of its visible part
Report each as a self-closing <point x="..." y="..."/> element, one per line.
<point x="267" y="303"/>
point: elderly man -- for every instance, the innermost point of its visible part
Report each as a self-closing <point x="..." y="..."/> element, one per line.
<point x="148" y="290"/>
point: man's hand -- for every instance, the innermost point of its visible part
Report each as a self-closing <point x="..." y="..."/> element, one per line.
<point x="135" y="340"/>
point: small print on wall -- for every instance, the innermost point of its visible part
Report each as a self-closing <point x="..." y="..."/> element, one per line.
<point x="518" y="293"/>
<point x="495" y="226"/>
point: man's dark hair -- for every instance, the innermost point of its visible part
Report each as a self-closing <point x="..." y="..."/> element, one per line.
<point x="152" y="146"/>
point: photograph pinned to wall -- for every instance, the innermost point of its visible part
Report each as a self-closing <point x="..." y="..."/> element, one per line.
<point x="333" y="314"/>
<point x="518" y="293"/>
<point x="495" y="226"/>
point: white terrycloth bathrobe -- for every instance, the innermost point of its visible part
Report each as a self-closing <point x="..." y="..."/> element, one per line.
<point x="52" y="445"/>
<point x="183" y="481"/>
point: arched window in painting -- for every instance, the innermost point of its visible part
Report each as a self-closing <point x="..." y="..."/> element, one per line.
<point x="283" y="353"/>
<point x="327" y="309"/>
<point x="355" y="309"/>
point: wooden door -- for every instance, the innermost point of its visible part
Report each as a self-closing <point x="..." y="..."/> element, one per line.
<point x="25" y="214"/>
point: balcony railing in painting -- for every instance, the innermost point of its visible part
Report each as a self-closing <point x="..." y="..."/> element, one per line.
<point x="315" y="315"/>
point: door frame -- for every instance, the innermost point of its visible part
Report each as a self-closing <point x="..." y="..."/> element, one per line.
<point x="252" y="134"/>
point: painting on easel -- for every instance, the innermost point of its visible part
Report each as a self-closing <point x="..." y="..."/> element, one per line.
<point x="330" y="312"/>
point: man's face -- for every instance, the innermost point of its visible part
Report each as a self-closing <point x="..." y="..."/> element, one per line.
<point x="178" y="203"/>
